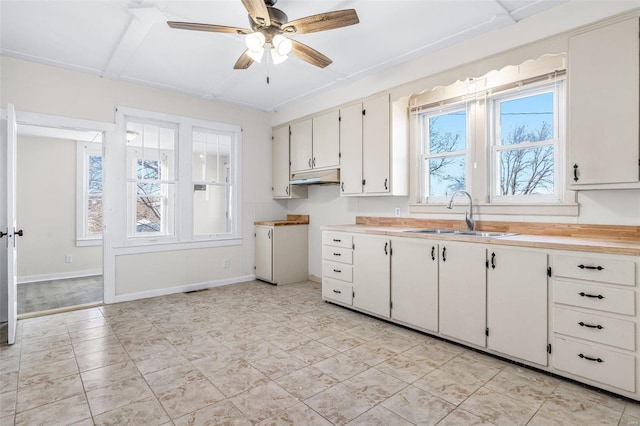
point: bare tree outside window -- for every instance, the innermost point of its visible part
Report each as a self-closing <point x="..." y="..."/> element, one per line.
<point x="526" y="156"/>
<point x="446" y="157"/>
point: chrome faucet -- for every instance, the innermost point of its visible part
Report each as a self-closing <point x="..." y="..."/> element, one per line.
<point x="468" y="215"/>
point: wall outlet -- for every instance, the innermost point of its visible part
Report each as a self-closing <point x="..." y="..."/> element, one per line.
<point x="398" y="211"/>
<point x="68" y="258"/>
<point x="225" y="263"/>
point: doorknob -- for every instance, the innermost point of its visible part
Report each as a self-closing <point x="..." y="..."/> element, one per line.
<point x="19" y="233"/>
<point x="2" y="234"/>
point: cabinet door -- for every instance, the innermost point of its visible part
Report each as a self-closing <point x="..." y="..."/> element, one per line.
<point x="371" y="274"/>
<point x="326" y="140"/>
<point x="351" y="150"/>
<point x="463" y="292"/>
<point x="603" y="75"/>
<point x="301" y="146"/>
<point x="264" y="253"/>
<point x="376" y="145"/>
<point x="517" y="303"/>
<point x="414" y="282"/>
<point x="280" y="173"/>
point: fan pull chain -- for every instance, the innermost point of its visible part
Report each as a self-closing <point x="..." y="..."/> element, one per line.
<point x="267" y="55"/>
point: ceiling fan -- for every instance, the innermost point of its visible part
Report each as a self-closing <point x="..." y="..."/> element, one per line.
<point x="270" y="25"/>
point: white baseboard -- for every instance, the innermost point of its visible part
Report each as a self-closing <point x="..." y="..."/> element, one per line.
<point x="59" y="276"/>
<point x="181" y="289"/>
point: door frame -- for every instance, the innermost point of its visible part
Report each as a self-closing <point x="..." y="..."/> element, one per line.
<point x="66" y="123"/>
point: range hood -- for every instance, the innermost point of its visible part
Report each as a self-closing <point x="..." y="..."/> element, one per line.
<point x="322" y="177"/>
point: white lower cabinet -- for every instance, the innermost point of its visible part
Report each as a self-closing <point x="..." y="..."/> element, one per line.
<point x="371" y="274"/>
<point x="517" y="303"/>
<point x="282" y="253"/>
<point x="570" y="313"/>
<point x="463" y="292"/>
<point x="414" y="282"/>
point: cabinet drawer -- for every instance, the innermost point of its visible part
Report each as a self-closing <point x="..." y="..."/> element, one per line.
<point x="338" y="271"/>
<point x="337" y="290"/>
<point x="595" y="269"/>
<point x="337" y="239"/>
<point x="602" y="298"/>
<point x="597" y="328"/>
<point x="602" y="365"/>
<point x="338" y="254"/>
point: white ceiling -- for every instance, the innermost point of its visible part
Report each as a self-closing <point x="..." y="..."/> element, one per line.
<point x="130" y="41"/>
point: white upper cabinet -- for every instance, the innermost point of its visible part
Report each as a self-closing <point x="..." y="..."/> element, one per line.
<point x="280" y="187"/>
<point x="603" y="112"/>
<point x="374" y="146"/>
<point x="326" y="140"/>
<point x="301" y="140"/>
<point x="351" y="149"/>
<point x="315" y="143"/>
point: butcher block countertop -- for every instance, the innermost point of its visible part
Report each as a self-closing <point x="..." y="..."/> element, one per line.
<point x="292" y="219"/>
<point x="592" y="238"/>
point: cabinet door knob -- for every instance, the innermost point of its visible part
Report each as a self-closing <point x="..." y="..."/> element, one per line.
<point x="433" y="252"/>
<point x="444" y="254"/>
<point x="575" y="172"/>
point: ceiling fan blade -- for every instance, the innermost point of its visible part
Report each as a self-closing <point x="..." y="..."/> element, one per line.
<point x="258" y="11"/>
<point x="322" y="22"/>
<point x="310" y="55"/>
<point x="243" y="62"/>
<point x="208" y="27"/>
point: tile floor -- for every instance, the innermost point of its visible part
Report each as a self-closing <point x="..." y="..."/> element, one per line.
<point x="253" y="353"/>
<point x="45" y="295"/>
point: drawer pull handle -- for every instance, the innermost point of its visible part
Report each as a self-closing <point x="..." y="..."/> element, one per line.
<point x="337" y="291"/>
<point x="433" y="252"/>
<point x="337" y="271"/>
<point x="337" y="254"/>
<point x="337" y="241"/>
<point x="588" y="358"/>
<point x="582" y="324"/>
<point x="596" y="268"/>
<point x="595" y="296"/>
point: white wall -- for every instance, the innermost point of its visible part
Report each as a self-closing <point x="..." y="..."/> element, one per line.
<point x="43" y="89"/>
<point x="46" y="206"/>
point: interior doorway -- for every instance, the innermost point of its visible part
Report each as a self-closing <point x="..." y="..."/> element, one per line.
<point x="59" y="206"/>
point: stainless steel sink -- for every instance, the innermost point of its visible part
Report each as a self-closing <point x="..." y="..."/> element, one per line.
<point x="431" y="231"/>
<point x="435" y="231"/>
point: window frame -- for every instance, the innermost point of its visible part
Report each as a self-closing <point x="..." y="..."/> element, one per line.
<point x="184" y="220"/>
<point x="83" y="151"/>
<point x="423" y="129"/>
<point x="558" y="142"/>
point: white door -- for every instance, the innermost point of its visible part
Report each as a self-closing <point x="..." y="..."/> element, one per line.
<point x="414" y="282"/>
<point x="463" y="292"/>
<point x="517" y="303"/>
<point x="372" y="274"/>
<point x="264" y="253"/>
<point x="351" y="149"/>
<point x="12" y="270"/>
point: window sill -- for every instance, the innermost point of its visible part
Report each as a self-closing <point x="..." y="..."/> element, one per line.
<point x="89" y="242"/>
<point x="486" y="209"/>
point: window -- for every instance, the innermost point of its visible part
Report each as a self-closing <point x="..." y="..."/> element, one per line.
<point x="151" y="178"/>
<point x="212" y="186"/>
<point x="526" y="145"/>
<point x="89" y="199"/>
<point x="445" y="151"/>
<point x="182" y="179"/>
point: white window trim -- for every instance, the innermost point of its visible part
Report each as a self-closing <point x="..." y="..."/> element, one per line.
<point x="558" y="142"/>
<point x="184" y="237"/>
<point x="423" y="181"/>
<point x="82" y="240"/>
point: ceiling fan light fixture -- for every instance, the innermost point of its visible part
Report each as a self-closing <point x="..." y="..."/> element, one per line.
<point x="282" y="45"/>
<point x="256" y="56"/>
<point x="277" y="57"/>
<point x="255" y="42"/>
